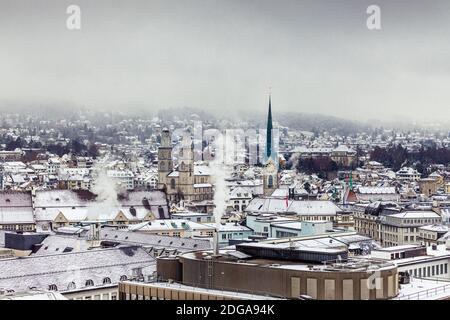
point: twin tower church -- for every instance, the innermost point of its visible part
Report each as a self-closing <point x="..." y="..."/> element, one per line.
<point x="193" y="183"/>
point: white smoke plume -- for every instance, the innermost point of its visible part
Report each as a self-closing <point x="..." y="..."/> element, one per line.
<point x="219" y="172"/>
<point x="106" y="190"/>
<point x="293" y="160"/>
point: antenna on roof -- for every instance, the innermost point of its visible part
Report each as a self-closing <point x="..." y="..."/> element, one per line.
<point x="291" y="243"/>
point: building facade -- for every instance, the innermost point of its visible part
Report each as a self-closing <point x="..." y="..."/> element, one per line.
<point x="188" y="182"/>
<point x="403" y="228"/>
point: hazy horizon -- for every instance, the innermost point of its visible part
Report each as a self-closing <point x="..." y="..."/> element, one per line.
<point x="222" y="57"/>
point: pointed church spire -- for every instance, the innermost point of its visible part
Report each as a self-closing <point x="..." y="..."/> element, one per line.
<point x="350" y="181"/>
<point x="269" y="140"/>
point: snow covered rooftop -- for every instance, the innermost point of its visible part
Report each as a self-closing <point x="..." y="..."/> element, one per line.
<point x="421" y="289"/>
<point x="15" y="199"/>
<point x="376" y="190"/>
<point x="228" y="227"/>
<point x="33" y="295"/>
<point x="16" y="215"/>
<point x="416" y="214"/>
<point x="240" y="192"/>
<point x="222" y="293"/>
<point x="161" y="225"/>
<point x="299" y="207"/>
<point x="344" y="148"/>
<point x="54" y="244"/>
<point x="201" y="171"/>
<point x="58" y="198"/>
<point x="182" y="244"/>
<point x="62" y="269"/>
<point x="202" y="185"/>
<point x="134" y="205"/>
<point x="436" y="228"/>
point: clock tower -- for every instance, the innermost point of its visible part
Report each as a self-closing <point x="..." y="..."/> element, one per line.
<point x="165" y="163"/>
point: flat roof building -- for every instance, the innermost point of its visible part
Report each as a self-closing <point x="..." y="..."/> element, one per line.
<point x="284" y="269"/>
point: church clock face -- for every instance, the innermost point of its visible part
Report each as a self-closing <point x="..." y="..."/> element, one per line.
<point x="270" y="168"/>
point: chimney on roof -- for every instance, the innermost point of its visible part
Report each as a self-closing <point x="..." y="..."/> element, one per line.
<point x="216" y="242"/>
<point x="291" y="193"/>
<point x="94" y="237"/>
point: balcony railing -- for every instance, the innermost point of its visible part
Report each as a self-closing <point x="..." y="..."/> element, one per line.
<point x="426" y="293"/>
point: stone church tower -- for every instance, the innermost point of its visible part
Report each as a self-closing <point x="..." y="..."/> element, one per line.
<point x="270" y="178"/>
<point x="188" y="183"/>
<point x="165" y="163"/>
<point x="186" y="169"/>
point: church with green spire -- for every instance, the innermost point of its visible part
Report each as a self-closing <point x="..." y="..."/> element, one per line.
<point x="270" y="152"/>
<point x="270" y="172"/>
<point x="269" y="137"/>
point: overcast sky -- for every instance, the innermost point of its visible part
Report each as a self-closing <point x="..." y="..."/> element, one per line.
<point x="318" y="56"/>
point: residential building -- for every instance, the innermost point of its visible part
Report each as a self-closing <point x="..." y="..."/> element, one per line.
<point x="239" y="198"/>
<point x="193" y="216"/>
<point x="174" y="228"/>
<point x="403" y="228"/>
<point x="123" y="178"/>
<point x="431" y="262"/>
<point x="312" y="210"/>
<point x="408" y="174"/>
<point x="87" y="275"/>
<point x="231" y="231"/>
<point x="16" y="211"/>
<point x="431" y="234"/>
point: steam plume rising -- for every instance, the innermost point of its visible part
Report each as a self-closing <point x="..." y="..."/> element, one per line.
<point x="218" y="174"/>
<point x="106" y="191"/>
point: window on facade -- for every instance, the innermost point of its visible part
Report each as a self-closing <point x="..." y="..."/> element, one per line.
<point x="161" y="212"/>
<point x="71" y="286"/>
<point x="123" y="278"/>
<point x="106" y="280"/>
<point x="172" y="183"/>
<point x="52" y="287"/>
<point x="89" y="283"/>
<point x="137" y="272"/>
<point x="270" y="182"/>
